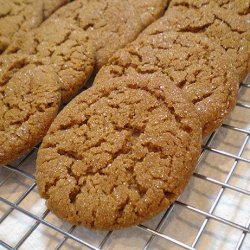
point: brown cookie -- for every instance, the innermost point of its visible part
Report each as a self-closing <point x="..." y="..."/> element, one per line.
<point x="17" y="16"/>
<point x="149" y="10"/>
<point x="29" y="100"/>
<point x="119" y="153"/>
<point x="192" y="61"/>
<point x="50" y="6"/>
<point x="62" y="45"/>
<point x="227" y="26"/>
<point x="110" y="24"/>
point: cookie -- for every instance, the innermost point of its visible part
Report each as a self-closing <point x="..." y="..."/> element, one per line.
<point x="119" y="153"/>
<point x="149" y="10"/>
<point x="29" y="101"/>
<point x="225" y="25"/>
<point x="199" y="67"/>
<point x="110" y="24"/>
<point x="50" y="6"/>
<point x="17" y="16"/>
<point x="62" y="45"/>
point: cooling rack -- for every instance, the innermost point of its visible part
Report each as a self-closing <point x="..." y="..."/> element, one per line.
<point x="212" y="213"/>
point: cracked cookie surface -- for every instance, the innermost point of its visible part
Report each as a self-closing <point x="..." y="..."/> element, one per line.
<point x="17" y="16"/>
<point x="29" y="100"/>
<point x="240" y="7"/>
<point x="224" y="22"/>
<point x="194" y="63"/>
<point x="51" y="6"/>
<point x="119" y="153"/>
<point x="149" y="10"/>
<point x="110" y="24"/>
<point x="63" y="46"/>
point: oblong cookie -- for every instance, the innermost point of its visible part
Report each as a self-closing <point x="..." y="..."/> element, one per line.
<point x="192" y="61"/>
<point x="110" y="24"/>
<point x="149" y="10"/>
<point x="226" y="24"/>
<point x="29" y="100"/>
<point x="61" y="45"/>
<point x="119" y="153"/>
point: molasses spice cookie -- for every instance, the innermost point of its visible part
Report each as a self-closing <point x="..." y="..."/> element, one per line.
<point x="226" y="22"/>
<point x="119" y="153"/>
<point x="29" y="100"/>
<point x="197" y="65"/>
<point x="110" y="24"/>
<point x="63" y="46"/>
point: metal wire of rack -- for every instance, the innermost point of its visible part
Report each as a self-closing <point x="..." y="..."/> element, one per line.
<point x="20" y="221"/>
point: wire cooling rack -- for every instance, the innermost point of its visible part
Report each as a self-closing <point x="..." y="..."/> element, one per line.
<point x="212" y="213"/>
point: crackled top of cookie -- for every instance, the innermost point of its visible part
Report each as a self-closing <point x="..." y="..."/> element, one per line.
<point x="29" y="100"/>
<point x="62" y="45"/>
<point x="17" y="16"/>
<point x="193" y="62"/>
<point x="219" y="22"/>
<point x="49" y="6"/>
<point x="239" y="6"/>
<point x="111" y="24"/>
<point x="119" y="153"/>
<point x="149" y="10"/>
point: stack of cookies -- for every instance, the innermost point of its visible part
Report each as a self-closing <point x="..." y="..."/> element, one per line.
<point x="123" y="150"/>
